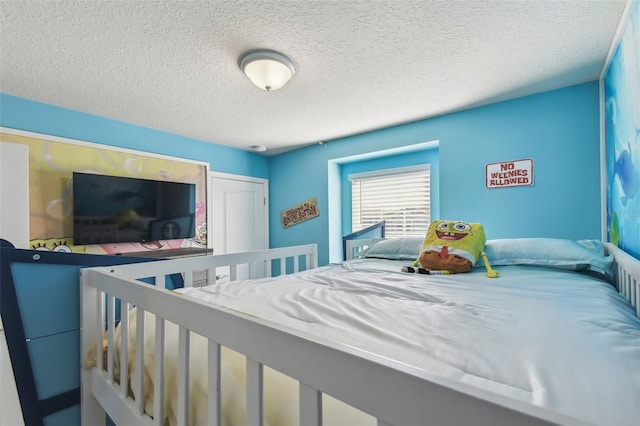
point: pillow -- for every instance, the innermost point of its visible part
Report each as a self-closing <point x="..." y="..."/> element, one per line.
<point x="401" y="248"/>
<point x="577" y="255"/>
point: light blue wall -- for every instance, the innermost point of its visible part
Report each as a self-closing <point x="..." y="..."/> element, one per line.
<point x="559" y="130"/>
<point x="23" y="114"/>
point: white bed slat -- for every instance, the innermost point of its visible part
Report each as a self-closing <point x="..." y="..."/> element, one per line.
<point x="99" y="324"/>
<point x="253" y="268"/>
<point x="255" y="402"/>
<point x="266" y="270"/>
<point x="158" y="390"/>
<point x="111" y="312"/>
<point x="627" y="276"/>
<point x="188" y="278"/>
<point x="91" y="334"/>
<point x="124" y="347"/>
<point x="310" y="406"/>
<point x="296" y="263"/>
<point x="160" y="280"/>
<point x="283" y="266"/>
<point x="139" y="361"/>
<point x="184" y="352"/>
<point x="214" y="399"/>
<point x="233" y="272"/>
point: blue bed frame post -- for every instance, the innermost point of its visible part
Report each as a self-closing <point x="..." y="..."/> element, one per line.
<point x="40" y="309"/>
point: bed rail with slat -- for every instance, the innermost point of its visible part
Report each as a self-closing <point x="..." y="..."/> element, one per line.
<point x="355" y="248"/>
<point x="394" y="393"/>
<point x="627" y="275"/>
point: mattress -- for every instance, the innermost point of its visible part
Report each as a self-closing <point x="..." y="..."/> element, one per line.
<point x="558" y="339"/>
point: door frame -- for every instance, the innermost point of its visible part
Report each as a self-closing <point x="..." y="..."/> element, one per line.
<point x="231" y="176"/>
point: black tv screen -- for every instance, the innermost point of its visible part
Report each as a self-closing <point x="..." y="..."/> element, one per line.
<point x="112" y="209"/>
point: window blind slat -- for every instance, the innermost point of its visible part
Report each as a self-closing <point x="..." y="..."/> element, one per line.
<point x="402" y="200"/>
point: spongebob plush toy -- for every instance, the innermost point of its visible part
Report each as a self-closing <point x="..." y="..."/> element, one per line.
<point x="452" y="247"/>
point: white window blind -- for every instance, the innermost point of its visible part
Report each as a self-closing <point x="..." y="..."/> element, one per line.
<point x="401" y="197"/>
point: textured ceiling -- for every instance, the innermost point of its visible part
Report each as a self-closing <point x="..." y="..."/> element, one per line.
<point x="362" y="65"/>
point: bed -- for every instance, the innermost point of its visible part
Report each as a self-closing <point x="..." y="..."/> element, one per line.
<point x="554" y="340"/>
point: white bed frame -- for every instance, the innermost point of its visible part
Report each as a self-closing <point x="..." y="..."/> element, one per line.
<point x="402" y="395"/>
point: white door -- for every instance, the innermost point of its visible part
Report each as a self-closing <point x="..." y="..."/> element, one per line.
<point x="239" y="215"/>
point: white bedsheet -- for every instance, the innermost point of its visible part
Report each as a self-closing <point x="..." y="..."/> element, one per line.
<point x="554" y="338"/>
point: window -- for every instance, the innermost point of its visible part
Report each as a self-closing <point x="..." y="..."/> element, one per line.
<point x="401" y="197"/>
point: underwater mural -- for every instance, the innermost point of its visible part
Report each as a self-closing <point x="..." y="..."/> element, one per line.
<point x="622" y="138"/>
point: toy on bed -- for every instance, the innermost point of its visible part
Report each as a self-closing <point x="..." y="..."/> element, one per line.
<point x="451" y="247"/>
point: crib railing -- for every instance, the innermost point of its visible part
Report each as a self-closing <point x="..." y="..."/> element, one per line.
<point x="394" y="393"/>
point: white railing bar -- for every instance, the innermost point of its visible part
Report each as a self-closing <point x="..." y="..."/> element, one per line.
<point x="178" y="265"/>
<point x="310" y="406"/>
<point x="283" y="266"/>
<point x="158" y="389"/>
<point x="296" y="263"/>
<point x="255" y="401"/>
<point x="233" y="271"/>
<point x="184" y="353"/>
<point x="111" y="327"/>
<point x="636" y="302"/>
<point x="187" y="277"/>
<point x="211" y="275"/>
<point x="100" y="328"/>
<point x="139" y="361"/>
<point x="124" y="347"/>
<point x="214" y="401"/>
<point x="253" y="270"/>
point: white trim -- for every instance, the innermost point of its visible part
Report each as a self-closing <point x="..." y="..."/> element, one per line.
<point x="622" y="26"/>
<point x="99" y="146"/>
<point x="232" y="176"/>
<point x="387" y="172"/>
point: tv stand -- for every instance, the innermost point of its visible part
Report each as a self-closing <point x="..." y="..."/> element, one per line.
<point x="170" y="253"/>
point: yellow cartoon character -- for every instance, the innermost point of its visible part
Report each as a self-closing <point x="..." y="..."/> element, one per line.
<point x="452" y="247"/>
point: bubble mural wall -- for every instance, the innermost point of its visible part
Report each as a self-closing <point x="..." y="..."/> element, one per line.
<point x="52" y="162"/>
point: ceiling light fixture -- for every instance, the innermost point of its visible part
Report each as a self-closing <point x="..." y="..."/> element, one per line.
<point x="267" y="69"/>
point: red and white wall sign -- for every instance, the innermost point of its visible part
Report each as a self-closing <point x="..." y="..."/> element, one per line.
<point x="509" y="173"/>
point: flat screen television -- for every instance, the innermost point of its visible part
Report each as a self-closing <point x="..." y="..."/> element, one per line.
<point x="112" y="209"/>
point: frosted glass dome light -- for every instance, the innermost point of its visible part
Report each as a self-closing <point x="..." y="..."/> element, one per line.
<point x="267" y="69"/>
